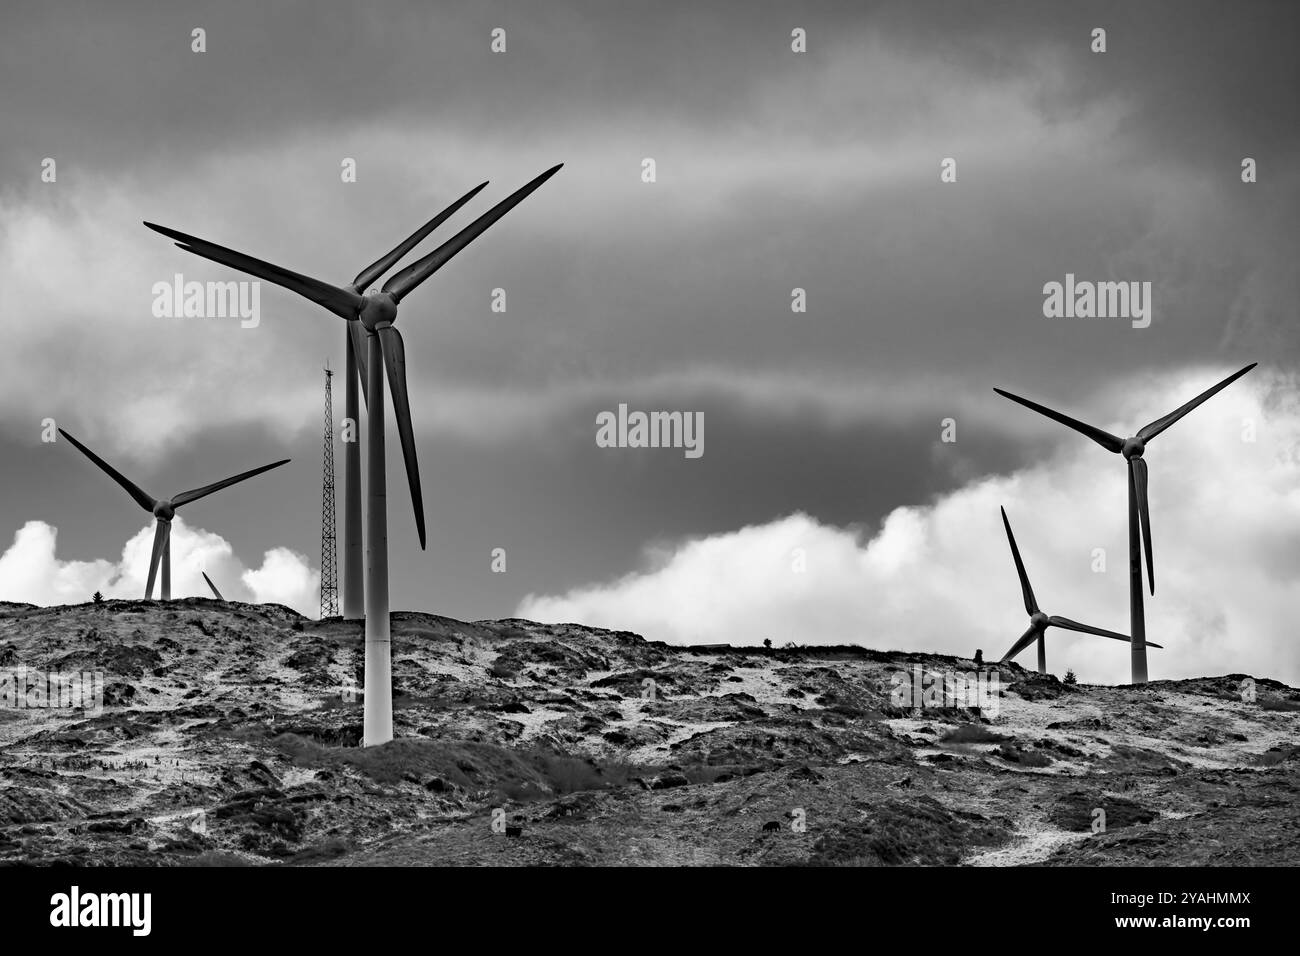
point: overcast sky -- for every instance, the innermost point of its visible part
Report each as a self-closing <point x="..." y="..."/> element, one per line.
<point x="774" y="170"/>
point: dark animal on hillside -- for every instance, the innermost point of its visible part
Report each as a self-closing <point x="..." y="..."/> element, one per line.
<point x="771" y="826"/>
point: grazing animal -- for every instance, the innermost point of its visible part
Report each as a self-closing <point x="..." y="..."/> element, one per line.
<point x="514" y="831"/>
<point x="771" y="826"/>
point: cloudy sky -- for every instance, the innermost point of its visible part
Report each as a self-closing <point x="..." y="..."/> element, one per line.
<point x="774" y="170"/>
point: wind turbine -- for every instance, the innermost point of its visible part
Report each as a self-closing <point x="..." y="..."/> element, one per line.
<point x="1040" y="622"/>
<point x="375" y="312"/>
<point x="1138" y="511"/>
<point x="341" y="302"/>
<point x="164" y="509"/>
<point x="215" y="593"/>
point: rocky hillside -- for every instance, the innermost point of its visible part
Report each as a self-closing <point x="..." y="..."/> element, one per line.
<point x="228" y="735"/>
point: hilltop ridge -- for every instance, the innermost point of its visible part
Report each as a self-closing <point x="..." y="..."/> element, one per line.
<point x="229" y="734"/>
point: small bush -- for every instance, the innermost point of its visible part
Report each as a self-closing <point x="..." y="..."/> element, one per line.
<point x="1026" y="758"/>
<point x="330" y="849"/>
<point x="971" y="734"/>
<point x="922" y="833"/>
<point x="215" y="858"/>
<point x="1070" y="678"/>
<point x="503" y="671"/>
<point x="569" y="774"/>
<point x="1278" y="703"/>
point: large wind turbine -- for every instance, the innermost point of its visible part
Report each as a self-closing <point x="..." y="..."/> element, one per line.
<point x="375" y="312"/>
<point x="1138" y="511"/>
<point x="354" y="369"/>
<point x="1040" y="622"/>
<point x="164" y="509"/>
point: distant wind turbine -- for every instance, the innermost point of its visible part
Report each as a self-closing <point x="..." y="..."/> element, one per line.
<point x="375" y="312"/>
<point x="1040" y="622"/>
<point x="215" y="593"/>
<point x="164" y="509"/>
<point x="1138" y="511"/>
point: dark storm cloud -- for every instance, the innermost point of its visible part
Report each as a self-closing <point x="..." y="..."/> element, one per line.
<point x="118" y="83"/>
<point x="1188" y="69"/>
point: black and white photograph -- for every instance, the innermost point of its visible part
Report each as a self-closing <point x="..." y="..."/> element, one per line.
<point x="744" y="445"/>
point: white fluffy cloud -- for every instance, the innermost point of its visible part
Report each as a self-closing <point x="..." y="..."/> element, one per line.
<point x="285" y="578"/>
<point x="1226" y="529"/>
<point x="31" y="571"/>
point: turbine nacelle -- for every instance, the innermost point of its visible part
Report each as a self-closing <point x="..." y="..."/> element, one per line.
<point x="164" y="511"/>
<point x="378" y="309"/>
<point x="1133" y="448"/>
<point x="1039" y="621"/>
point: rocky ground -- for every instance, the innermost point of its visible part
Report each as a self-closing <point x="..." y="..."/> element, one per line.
<point x="229" y="735"/>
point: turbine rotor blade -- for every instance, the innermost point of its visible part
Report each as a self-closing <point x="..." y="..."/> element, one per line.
<point x="390" y="344"/>
<point x="144" y="500"/>
<point x="185" y="497"/>
<point x="344" y="303"/>
<point x="373" y="271"/>
<point x="1025" y="640"/>
<point x="1069" y="625"/>
<point x="162" y="531"/>
<point x="1150" y="431"/>
<point x="215" y="592"/>
<point x="1031" y="605"/>
<point x="403" y="282"/>
<point x="1139" y="468"/>
<point x="1103" y="438"/>
<point x="357" y="345"/>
